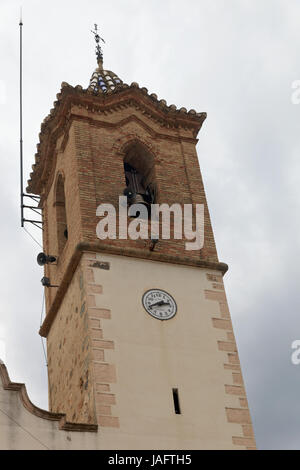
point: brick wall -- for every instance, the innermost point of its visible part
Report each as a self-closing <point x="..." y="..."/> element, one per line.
<point x="69" y="350"/>
<point x="86" y="145"/>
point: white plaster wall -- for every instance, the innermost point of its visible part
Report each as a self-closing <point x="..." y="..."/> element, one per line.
<point x="22" y="430"/>
<point x="153" y="356"/>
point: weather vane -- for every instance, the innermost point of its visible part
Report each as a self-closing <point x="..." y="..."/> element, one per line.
<point x="99" y="53"/>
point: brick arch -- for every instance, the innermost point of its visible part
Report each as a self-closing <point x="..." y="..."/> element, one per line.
<point x="61" y="211"/>
<point x="121" y="144"/>
<point x="144" y="160"/>
<point x="59" y="174"/>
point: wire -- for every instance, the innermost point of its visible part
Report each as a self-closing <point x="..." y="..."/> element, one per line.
<point x="35" y="438"/>
<point x="45" y="355"/>
<point x="43" y="301"/>
<point x="32" y="237"/>
<point x="41" y="321"/>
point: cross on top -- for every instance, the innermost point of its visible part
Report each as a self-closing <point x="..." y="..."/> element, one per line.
<point x="98" y="38"/>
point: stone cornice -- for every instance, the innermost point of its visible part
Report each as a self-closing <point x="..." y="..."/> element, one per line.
<point x="38" y="412"/>
<point x="103" y="247"/>
<point x="60" y="117"/>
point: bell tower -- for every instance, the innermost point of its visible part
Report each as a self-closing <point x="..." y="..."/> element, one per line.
<point x="139" y="336"/>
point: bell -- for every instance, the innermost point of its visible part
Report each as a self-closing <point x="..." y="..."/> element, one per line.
<point x="138" y="199"/>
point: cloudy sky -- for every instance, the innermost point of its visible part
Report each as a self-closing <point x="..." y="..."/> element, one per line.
<point x="234" y="59"/>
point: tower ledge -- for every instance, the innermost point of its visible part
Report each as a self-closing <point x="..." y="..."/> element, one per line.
<point x="105" y="248"/>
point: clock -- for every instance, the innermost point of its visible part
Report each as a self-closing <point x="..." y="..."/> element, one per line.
<point x="159" y="304"/>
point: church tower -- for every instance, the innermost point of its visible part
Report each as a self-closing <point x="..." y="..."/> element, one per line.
<point x="139" y="336"/>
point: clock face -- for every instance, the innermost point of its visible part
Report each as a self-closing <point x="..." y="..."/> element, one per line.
<point x="159" y="304"/>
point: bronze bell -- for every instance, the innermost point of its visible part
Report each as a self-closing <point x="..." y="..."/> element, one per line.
<point x="138" y="199"/>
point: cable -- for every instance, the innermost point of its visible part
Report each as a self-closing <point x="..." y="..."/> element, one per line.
<point x="43" y="301"/>
<point x="45" y="355"/>
<point x="32" y="237"/>
<point x="35" y="438"/>
<point x="41" y="321"/>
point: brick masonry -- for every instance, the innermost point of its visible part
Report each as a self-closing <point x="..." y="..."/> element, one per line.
<point x="70" y="355"/>
<point x="221" y="321"/>
<point x="83" y="144"/>
<point x="79" y="375"/>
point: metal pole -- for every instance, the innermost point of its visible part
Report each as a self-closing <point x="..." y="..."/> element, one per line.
<point x="21" y="129"/>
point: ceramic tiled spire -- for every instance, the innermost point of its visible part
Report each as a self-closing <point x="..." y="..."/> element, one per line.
<point x="102" y="80"/>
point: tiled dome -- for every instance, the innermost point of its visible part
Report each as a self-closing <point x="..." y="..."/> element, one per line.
<point x="103" y="81"/>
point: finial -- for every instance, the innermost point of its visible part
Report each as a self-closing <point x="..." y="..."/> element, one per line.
<point x="99" y="53"/>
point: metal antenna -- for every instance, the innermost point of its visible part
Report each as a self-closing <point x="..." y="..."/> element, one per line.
<point x="98" y="50"/>
<point x="21" y="124"/>
<point x="33" y="197"/>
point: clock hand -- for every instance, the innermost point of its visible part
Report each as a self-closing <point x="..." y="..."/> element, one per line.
<point x="154" y="305"/>
<point x="159" y="304"/>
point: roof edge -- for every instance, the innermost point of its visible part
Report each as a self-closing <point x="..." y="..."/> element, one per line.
<point x="60" y="113"/>
<point x="63" y="424"/>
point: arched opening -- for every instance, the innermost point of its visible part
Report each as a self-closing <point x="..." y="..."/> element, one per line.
<point x="139" y="175"/>
<point x="61" y="215"/>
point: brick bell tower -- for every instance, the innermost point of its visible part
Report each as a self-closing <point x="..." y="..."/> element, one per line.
<point x="148" y="383"/>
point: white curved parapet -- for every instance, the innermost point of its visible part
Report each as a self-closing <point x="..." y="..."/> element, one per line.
<point x="24" y="426"/>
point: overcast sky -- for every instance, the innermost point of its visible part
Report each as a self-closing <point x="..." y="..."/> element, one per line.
<point x="235" y="60"/>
